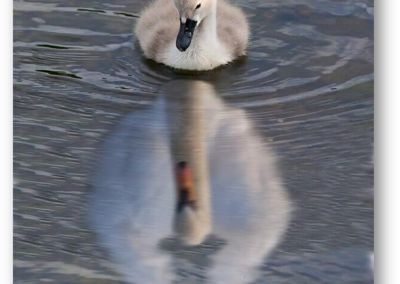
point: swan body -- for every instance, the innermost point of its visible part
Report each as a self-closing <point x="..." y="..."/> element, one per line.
<point x="237" y="189"/>
<point x="192" y="34"/>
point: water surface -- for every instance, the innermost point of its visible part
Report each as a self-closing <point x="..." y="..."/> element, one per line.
<point x="306" y="84"/>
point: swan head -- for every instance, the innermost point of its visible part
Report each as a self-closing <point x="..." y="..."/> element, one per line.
<point x="191" y="225"/>
<point x="191" y="13"/>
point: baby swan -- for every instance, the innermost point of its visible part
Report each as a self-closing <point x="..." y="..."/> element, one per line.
<point x="192" y="34"/>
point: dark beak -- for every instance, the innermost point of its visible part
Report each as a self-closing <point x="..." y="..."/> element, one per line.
<point x="183" y="200"/>
<point x="185" y="35"/>
<point x="185" y="190"/>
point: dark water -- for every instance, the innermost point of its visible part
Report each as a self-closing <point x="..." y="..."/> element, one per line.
<point x="306" y="84"/>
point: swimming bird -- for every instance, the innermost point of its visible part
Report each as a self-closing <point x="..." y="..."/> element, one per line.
<point x="192" y="34"/>
<point x="188" y="167"/>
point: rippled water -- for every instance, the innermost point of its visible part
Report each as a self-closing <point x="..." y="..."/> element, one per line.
<point x="306" y="84"/>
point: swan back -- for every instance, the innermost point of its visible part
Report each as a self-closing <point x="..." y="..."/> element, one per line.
<point x="233" y="29"/>
<point x="157" y="28"/>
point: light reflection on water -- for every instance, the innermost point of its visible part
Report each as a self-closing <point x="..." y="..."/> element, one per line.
<point x="306" y="87"/>
<point x="134" y="202"/>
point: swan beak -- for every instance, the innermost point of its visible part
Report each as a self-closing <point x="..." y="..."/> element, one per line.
<point x="185" y="188"/>
<point x="185" y="34"/>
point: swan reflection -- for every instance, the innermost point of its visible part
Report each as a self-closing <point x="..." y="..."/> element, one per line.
<point x="189" y="170"/>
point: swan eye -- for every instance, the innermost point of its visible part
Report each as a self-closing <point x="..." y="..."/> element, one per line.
<point x="198" y="6"/>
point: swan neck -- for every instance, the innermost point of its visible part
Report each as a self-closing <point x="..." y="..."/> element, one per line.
<point x="208" y="29"/>
<point x="188" y="119"/>
<point x="193" y="137"/>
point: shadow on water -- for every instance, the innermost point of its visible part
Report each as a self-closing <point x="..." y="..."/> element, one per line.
<point x="235" y="178"/>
